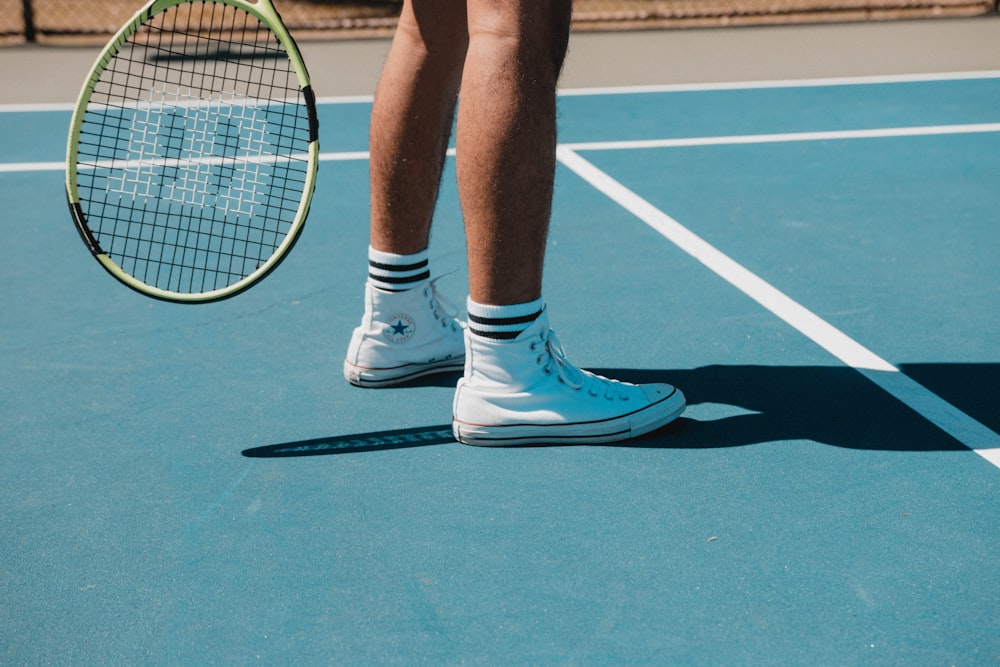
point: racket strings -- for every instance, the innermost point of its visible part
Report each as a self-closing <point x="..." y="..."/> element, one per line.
<point x="192" y="158"/>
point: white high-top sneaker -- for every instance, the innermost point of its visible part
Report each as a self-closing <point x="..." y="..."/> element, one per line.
<point x="403" y="336"/>
<point x="524" y="391"/>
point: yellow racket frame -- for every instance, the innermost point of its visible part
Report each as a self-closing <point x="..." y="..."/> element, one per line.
<point x="266" y="13"/>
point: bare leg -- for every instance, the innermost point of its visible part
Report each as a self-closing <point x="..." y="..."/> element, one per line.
<point x="507" y="141"/>
<point x="518" y="388"/>
<point x="411" y="122"/>
<point x="404" y="334"/>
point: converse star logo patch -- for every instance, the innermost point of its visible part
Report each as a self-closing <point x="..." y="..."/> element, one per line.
<point x="400" y="329"/>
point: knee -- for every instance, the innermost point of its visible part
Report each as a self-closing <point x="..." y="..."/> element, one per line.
<point x="534" y="33"/>
<point x="434" y="35"/>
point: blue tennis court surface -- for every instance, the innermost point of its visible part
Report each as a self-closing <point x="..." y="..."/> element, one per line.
<point x="813" y="263"/>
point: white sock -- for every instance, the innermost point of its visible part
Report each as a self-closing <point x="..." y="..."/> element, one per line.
<point x="396" y="273"/>
<point x="502" y="322"/>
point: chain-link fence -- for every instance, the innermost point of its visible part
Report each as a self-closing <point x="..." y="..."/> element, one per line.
<point x="92" y="21"/>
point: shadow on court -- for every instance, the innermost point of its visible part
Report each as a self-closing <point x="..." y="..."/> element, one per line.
<point x="357" y="443"/>
<point x="974" y="388"/>
<point x="831" y="405"/>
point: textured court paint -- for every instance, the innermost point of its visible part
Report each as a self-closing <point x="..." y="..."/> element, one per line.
<point x="950" y="419"/>
<point x="761" y="109"/>
<point x="847" y="529"/>
<point x="752" y="111"/>
<point x="733" y="140"/>
<point x="23" y="143"/>
<point x="219" y="501"/>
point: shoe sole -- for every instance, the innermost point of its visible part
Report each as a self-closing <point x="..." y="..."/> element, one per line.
<point x="616" y="429"/>
<point x="373" y="378"/>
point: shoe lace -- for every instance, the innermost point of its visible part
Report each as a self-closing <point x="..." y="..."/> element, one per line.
<point x="444" y="310"/>
<point x="553" y="359"/>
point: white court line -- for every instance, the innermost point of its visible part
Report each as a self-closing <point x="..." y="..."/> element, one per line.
<point x="730" y="140"/>
<point x="14" y="167"/>
<point x="628" y="90"/>
<point x="17" y="167"/>
<point x="945" y="416"/>
<point x="344" y="156"/>
<point x="30" y="107"/>
<point x="784" y="83"/>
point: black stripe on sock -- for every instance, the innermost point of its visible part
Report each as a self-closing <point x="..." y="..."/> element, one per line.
<point x="397" y="280"/>
<point x="503" y="321"/>
<point x="496" y="335"/>
<point x="397" y="267"/>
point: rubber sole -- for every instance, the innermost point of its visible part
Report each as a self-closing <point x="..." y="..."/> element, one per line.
<point x="616" y="429"/>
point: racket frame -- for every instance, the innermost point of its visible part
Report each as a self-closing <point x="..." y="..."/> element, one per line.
<point x="266" y="13"/>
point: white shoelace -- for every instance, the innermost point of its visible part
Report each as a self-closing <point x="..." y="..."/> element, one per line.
<point x="443" y="308"/>
<point x="577" y="378"/>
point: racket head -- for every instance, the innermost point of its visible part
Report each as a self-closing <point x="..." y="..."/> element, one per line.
<point x="193" y="150"/>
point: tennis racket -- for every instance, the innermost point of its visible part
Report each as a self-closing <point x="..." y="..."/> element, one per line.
<point x="193" y="149"/>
